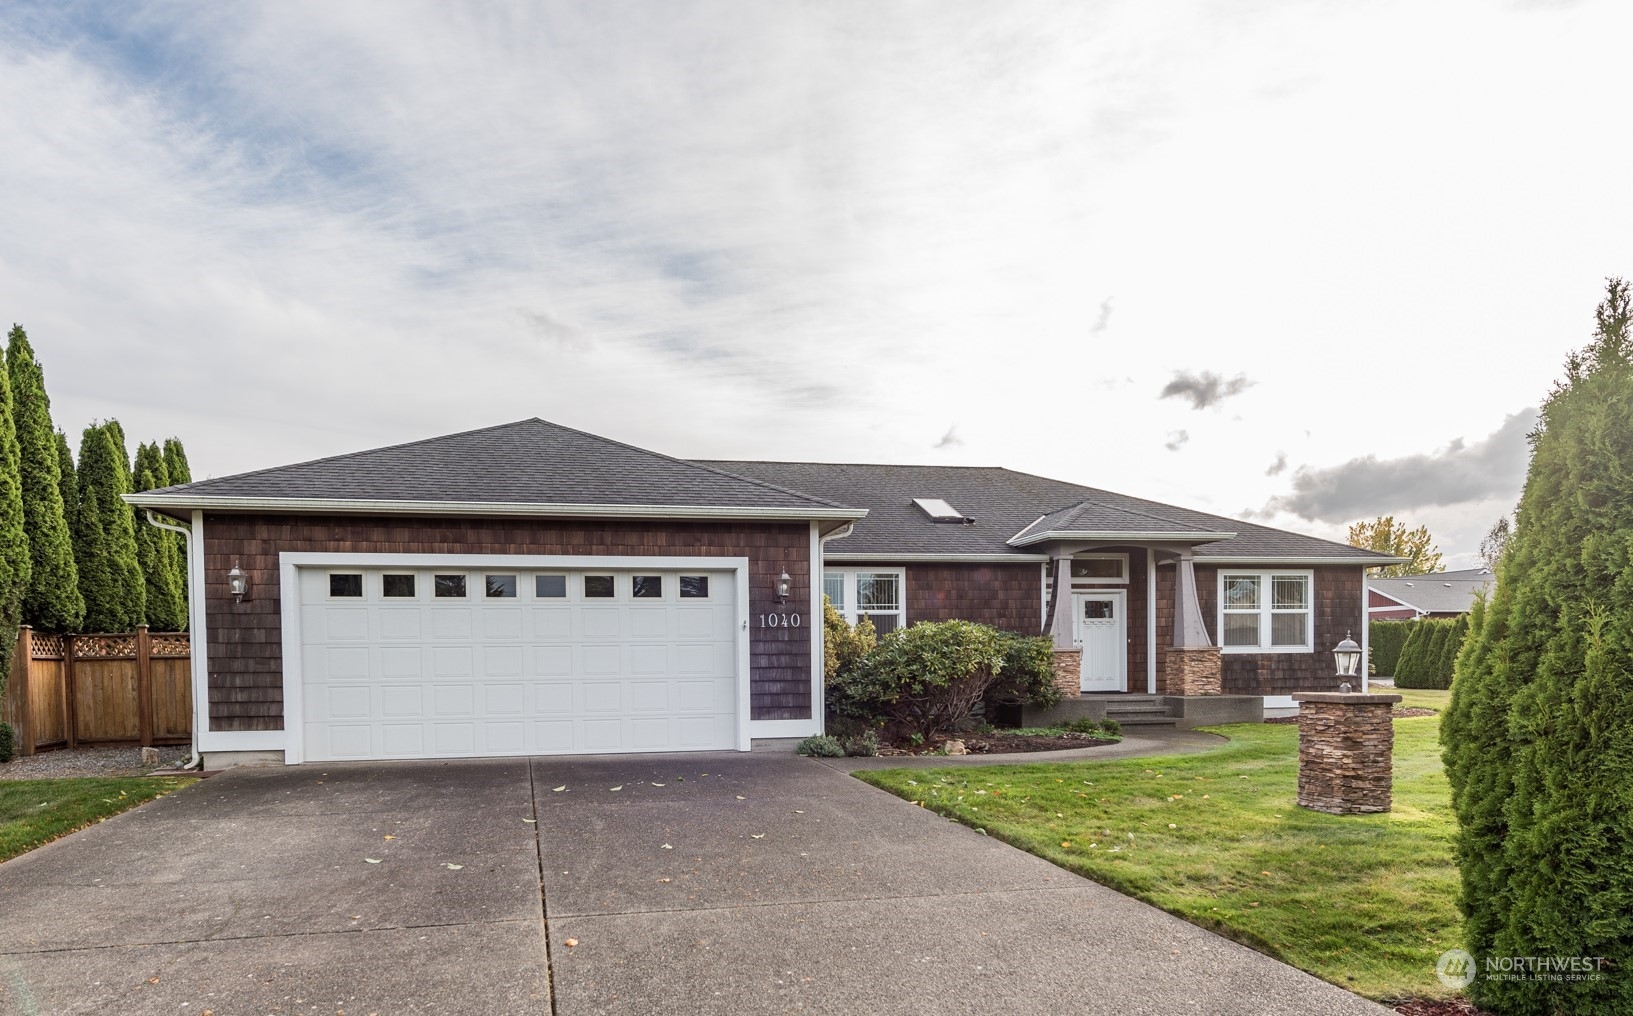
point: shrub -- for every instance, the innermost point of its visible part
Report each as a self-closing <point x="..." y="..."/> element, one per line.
<point x="863" y="745"/>
<point x="1112" y="727"/>
<point x="927" y="677"/>
<point x="1027" y="675"/>
<point x="843" y="646"/>
<point x="820" y="746"/>
<point x="1386" y="639"/>
<point x="1537" y="736"/>
<point x="8" y="742"/>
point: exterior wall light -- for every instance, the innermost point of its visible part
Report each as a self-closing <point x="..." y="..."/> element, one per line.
<point x="785" y="585"/>
<point x="1348" y="658"/>
<point x="237" y="583"/>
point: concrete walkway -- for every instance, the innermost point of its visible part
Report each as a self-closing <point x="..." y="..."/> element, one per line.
<point x="740" y="883"/>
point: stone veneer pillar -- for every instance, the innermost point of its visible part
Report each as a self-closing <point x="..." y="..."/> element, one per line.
<point x="1346" y="746"/>
<point x="1069" y="671"/>
<point x="1193" y="670"/>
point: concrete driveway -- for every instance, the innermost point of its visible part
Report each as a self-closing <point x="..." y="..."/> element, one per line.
<point x="736" y="883"/>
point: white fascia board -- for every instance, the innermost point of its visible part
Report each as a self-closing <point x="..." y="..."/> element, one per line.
<point x="938" y="558"/>
<point x="1085" y="535"/>
<point x="353" y="506"/>
<point x="1295" y="561"/>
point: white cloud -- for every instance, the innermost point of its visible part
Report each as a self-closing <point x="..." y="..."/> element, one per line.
<point x="809" y="231"/>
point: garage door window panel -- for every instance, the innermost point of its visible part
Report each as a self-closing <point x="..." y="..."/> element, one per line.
<point x="599" y="587"/>
<point x="346" y="585"/>
<point x="646" y="587"/>
<point x="394" y="586"/>
<point x="694" y="587"/>
<point x="500" y="587"/>
<point x="449" y="587"/>
<point x="550" y="587"/>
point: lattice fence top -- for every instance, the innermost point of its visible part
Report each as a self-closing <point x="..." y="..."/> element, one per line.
<point x="169" y="644"/>
<point x="46" y="647"/>
<point x="94" y="647"/>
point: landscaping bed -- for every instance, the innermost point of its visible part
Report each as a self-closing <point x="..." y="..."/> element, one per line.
<point x="117" y="760"/>
<point x="1004" y="742"/>
<point x="1367" y="902"/>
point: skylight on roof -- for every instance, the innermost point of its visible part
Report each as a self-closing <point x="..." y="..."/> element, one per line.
<point x="939" y="510"/>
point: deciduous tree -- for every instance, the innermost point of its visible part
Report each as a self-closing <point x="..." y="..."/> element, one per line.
<point x="1386" y="536"/>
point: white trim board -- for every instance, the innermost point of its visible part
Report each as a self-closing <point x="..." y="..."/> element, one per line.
<point x="514" y="509"/>
<point x="290" y="739"/>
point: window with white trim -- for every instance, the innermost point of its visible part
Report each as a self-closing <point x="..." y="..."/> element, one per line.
<point x="1266" y="611"/>
<point x="878" y="594"/>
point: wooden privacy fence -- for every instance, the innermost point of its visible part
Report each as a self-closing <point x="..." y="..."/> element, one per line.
<point x="68" y="690"/>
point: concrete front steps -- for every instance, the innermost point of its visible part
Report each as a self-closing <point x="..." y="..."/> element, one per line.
<point x="1141" y="713"/>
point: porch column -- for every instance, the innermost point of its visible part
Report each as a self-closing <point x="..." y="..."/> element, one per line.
<point x="1068" y="657"/>
<point x="1193" y="665"/>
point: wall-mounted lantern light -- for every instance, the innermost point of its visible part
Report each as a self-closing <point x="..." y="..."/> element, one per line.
<point x="1348" y="659"/>
<point x="237" y="583"/>
<point x="785" y="585"/>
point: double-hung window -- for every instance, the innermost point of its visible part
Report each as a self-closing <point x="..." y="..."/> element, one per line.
<point x="874" y="593"/>
<point x="1268" y="611"/>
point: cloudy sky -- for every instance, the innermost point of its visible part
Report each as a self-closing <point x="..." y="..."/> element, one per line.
<point x="1309" y="261"/>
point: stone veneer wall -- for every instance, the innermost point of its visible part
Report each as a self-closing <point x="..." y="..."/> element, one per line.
<point x="1345" y="752"/>
<point x="1192" y="671"/>
<point x="1069" y="671"/>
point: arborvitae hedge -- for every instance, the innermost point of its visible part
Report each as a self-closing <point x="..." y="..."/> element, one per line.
<point x="1412" y="653"/>
<point x="14" y="559"/>
<point x="110" y="573"/>
<point x="156" y="551"/>
<point x="52" y="602"/>
<point x="1427" y="661"/>
<point x="70" y="481"/>
<point x="175" y="462"/>
<point x="1385" y="641"/>
<point x="1539" y="734"/>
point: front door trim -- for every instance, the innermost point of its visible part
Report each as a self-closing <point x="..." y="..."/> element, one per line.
<point x="1119" y="597"/>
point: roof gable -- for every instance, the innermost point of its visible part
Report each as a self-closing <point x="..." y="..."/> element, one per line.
<point x="530" y="463"/>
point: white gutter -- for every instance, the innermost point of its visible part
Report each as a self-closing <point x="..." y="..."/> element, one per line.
<point x="187" y="556"/>
<point x="887" y="558"/>
<point x="355" y="506"/>
<point x="1369" y="562"/>
<point x="1101" y="536"/>
<point x="819" y="627"/>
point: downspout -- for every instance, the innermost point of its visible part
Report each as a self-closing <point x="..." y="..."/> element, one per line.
<point x="195" y="761"/>
<point x="820" y="624"/>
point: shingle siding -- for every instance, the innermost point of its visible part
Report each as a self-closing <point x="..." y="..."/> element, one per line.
<point x="245" y="639"/>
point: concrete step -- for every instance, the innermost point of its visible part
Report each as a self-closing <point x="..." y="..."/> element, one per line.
<point x="1154" y="709"/>
<point x="1146" y="722"/>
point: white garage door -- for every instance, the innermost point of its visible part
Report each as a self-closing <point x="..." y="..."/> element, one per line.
<point x="444" y="662"/>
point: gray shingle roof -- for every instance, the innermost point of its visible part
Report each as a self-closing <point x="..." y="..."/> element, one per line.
<point x="1450" y="592"/>
<point x="1002" y="503"/>
<point x="529" y="462"/>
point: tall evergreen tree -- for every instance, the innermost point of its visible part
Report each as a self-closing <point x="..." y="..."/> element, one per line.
<point x="52" y="601"/>
<point x="175" y="461"/>
<point x="70" y="481"/>
<point x="14" y="561"/>
<point x="1539" y="733"/>
<point x="115" y="595"/>
<point x="156" y="551"/>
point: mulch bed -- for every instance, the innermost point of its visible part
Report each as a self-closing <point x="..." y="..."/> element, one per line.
<point x="1001" y="743"/>
<point x="1397" y="712"/>
<point x="1439" y="1007"/>
<point x="66" y="763"/>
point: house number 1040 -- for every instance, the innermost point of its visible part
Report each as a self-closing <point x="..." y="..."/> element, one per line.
<point x="780" y="621"/>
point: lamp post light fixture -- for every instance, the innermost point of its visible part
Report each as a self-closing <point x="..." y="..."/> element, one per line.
<point x="1348" y="658"/>
<point x="785" y="584"/>
<point x="237" y="583"/>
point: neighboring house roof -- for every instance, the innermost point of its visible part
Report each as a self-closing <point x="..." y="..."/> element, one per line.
<point x="1451" y="592"/>
<point x="524" y="467"/>
<point x="1002" y="505"/>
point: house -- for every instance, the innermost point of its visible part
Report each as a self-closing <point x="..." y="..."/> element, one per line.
<point x="1440" y="594"/>
<point x="533" y="589"/>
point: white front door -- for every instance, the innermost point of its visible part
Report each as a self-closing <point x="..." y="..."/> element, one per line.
<point x="1100" y="630"/>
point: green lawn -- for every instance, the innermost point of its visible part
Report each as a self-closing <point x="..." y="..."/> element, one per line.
<point x="1364" y="901"/>
<point x="33" y="812"/>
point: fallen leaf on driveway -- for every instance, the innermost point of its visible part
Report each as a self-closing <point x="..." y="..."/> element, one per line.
<point x="153" y="980"/>
<point x="561" y="788"/>
<point x="740" y="797"/>
<point x="665" y="880"/>
<point x="657" y="784"/>
<point x="454" y="867"/>
<point x="758" y="836"/>
<point x="372" y="860"/>
<point x="390" y="837"/>
<point x="570" y="942"/>
<point x="798" y="812"/>
<point x="619" y="787"/>
<point x="667" y="847"/>
<point x="531" y="821"/>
